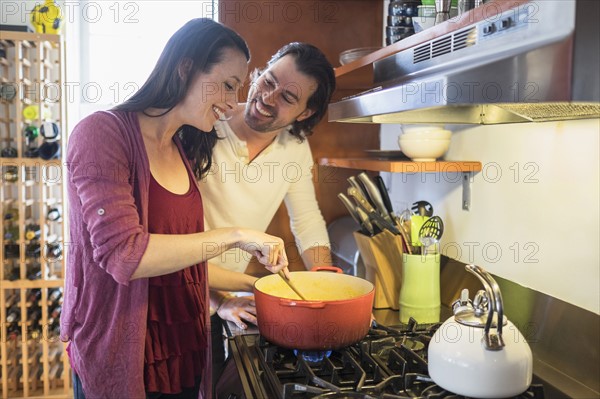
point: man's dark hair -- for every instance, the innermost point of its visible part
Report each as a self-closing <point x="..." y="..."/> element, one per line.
<point x="311" y="62"/>
<point x="196" y="47"/>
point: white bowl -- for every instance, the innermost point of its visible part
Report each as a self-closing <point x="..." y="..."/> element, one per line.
<point x="426" y="132"/>
<point x="423" y="150"/>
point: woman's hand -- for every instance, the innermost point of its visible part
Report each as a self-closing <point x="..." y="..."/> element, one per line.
<point x="236" y="309"/>
<point x="268" y="249"/>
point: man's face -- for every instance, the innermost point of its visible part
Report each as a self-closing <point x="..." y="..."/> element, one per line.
<point x="279" y="96"/>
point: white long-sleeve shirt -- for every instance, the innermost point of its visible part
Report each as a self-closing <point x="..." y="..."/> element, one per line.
<point x="238" y="193"/>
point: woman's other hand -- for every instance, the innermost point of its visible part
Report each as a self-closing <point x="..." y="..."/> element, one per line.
<point x="236" y="309"/>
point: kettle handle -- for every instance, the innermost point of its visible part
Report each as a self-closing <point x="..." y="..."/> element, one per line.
<point x="492" y="341"/>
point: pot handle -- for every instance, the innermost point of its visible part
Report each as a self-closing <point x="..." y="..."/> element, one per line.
<point x="492" y="341"/>
<point x="301" y="304"/>
<point x="326" y="268"/>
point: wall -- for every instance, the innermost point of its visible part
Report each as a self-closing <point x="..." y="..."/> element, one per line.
<point x="534" y="216"/>
<point x="331" y="26"/>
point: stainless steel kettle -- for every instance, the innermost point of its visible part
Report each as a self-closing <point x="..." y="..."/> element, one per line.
<point x="469" y="354"/>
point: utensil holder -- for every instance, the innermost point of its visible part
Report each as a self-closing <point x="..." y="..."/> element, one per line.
<point x="419" y="296"/>
<point x="382" y="257"/>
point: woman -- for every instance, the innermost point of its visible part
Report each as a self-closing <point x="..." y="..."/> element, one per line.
<point x="136" y="295"/>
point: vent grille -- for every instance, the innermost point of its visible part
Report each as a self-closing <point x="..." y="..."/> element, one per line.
<point x="448" y="44"/>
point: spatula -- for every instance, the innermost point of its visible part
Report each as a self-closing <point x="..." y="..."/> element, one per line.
<point x="431" y="231"/>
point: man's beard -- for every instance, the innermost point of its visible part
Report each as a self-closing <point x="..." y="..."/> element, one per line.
<point x="261" y="125"/>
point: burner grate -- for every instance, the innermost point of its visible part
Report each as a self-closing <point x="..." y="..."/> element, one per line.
<point x="390" y="363"/>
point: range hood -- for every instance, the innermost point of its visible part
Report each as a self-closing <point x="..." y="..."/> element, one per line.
<point x="538" y="61"/>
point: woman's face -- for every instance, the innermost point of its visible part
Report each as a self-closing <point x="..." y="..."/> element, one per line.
<point x="212" y="94"/>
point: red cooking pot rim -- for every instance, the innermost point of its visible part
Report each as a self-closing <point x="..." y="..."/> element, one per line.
<point x="334" y="269"/>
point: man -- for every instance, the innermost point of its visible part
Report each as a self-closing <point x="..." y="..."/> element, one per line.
<point x="263" y="159"/>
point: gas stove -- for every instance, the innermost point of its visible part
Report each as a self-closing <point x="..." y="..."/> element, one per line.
<point x="389" y="363"/>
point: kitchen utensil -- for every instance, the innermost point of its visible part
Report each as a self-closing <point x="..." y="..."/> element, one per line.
<point x="288" y="281"/>
<point x="403" y="8"/>
<point x="431" y="232"/>
<point x="354" y="182"/>
<point x="442" y="10"/>
<point x="420" y="292"/>
<point x="365" y="222"/>
<point x="338" y="314"/>
<point x="351" y="209"/>
<point x="405" y="216"/>
<point x="374" y="217"/>
<point x="466" y="5"/>
<point x="422" y="208"/>
<point x="477" y="360"/>
<point x="384" y="195"/>
<point x="416" y="222"/>
<point x="375" y="196"/>
<point x="399" y="20"/>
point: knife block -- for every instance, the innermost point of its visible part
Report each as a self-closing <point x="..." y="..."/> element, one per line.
<point x="382" y="257"/>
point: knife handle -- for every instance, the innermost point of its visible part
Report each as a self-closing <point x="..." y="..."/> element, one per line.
<point x="365" y="222"/>
<point x="355" y="183"/>
<point x="374" y="195"/>
<point x="350" y="207"/>
<point x="384" y="194"/>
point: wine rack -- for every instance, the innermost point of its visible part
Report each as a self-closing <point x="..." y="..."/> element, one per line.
<point x="33" y="360"/>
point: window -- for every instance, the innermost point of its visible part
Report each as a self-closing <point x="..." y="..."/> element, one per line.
<point x="119" y="42"/>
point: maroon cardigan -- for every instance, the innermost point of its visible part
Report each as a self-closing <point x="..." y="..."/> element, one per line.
<point x="104" y="314"/>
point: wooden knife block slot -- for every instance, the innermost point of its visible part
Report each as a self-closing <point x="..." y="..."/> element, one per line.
<point x="382" y="257"/>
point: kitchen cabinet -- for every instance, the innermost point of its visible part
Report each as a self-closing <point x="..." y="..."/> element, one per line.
<point x="33" y="362"/>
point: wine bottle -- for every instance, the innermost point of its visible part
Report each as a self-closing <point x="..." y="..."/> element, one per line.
<point x="11" y="232"/>
<point x="53" y="251"/>
<point x="54" y="313"/>
<point x="34" y="318"/>
<point x="34" y="296"/>
<point x="33" y="249"/>
<point x="13" y="274"/>
<point x="32" y="232"/>
<point x="53" y="214"/>
<point x="54" y="295"/>
<point x="34" y="271"/>
<point x="13" y="315"/>
<point x="12" y="300"/>
<point x="10" y="174"/>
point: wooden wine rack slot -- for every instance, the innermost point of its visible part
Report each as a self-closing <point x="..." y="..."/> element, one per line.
<point x="33" y="361"/>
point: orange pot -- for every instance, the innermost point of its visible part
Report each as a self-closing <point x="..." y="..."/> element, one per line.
<point x="337" y="311"/>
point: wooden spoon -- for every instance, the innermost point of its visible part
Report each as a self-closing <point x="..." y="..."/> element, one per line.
<point x="291" y="285"/>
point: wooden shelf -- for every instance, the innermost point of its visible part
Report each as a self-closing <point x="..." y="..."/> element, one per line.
<point x="20" y="161"/>
<point x="379" y="165"/>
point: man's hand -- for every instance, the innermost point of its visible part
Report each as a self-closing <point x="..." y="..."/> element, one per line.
<point x="236" y="309"/>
